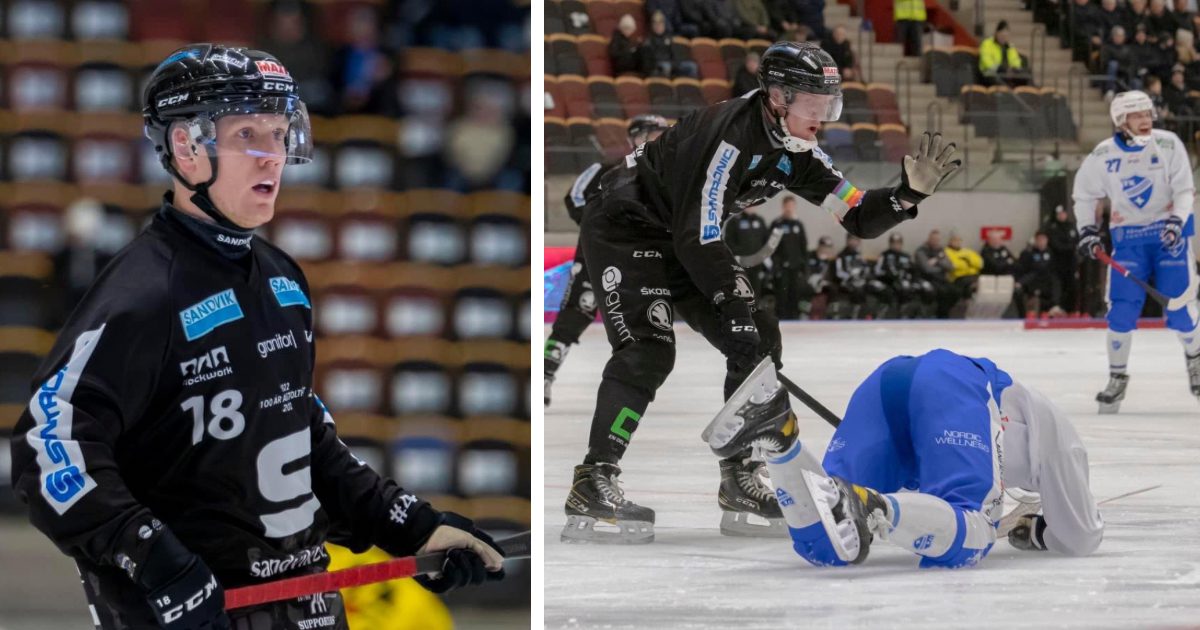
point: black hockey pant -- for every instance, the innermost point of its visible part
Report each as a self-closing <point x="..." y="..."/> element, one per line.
<point x="641" y="287"/>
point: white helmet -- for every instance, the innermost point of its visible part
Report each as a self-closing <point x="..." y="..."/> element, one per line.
<point x="1127" y="103"/>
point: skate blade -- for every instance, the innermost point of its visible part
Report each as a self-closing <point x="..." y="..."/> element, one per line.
<point x="1109" y="408"/>
<point x="738" y="524"/>
<point x="844" y="541"/>
<point x="758" y="386"/>
<point x="1009" y="520"/>
<point x="582" y="529"/>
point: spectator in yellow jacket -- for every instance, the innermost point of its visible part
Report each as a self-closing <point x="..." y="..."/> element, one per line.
<point x="967" y="265"/>
<point x="999" y="61"/>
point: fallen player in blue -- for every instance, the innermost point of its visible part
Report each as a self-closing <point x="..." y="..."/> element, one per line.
<point x="921" y="459"/>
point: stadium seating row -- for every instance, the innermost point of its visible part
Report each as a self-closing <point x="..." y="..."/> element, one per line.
<point x="594" y="16"/>
<point x="1022" y="113"/>
<point x="588" y="54"/>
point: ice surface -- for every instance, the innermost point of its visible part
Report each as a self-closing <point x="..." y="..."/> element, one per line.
<point x="1146" y="573"/>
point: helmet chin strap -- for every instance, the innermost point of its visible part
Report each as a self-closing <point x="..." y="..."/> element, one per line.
<point x="791" y="143"/>
<point x="200" y="196"/>
<point x="1131" y="138"/>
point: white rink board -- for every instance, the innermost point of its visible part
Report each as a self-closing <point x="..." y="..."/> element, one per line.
<point x="1146" y="573"/>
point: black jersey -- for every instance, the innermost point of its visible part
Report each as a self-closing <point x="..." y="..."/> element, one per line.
<point x="851" y="268"/>
<point x="179" y="393"/>
<point x="792" y="252"/>
<point x="894" y="267"/>
<point x="722" y="159"/>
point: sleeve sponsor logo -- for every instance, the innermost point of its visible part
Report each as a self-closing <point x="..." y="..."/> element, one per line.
<point x="713" y="193"/>
<point x="288" y="292"/>
<point x="215" y="310"/>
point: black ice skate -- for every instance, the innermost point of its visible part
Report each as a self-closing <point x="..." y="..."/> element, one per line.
<point x="554" y="354"/>
<point x="743" y="494"/>
<point x="1193" y="370"/>
<point x="596" y="497"/>
<point x="849" y="514"/>
<point x="1110" y="399"/>
<point x="758" y="414"/>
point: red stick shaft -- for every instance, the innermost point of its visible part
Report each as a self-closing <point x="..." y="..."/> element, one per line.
<point x="320" y="582"/>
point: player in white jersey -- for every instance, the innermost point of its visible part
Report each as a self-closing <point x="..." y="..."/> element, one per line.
<point x="956" y="430"/>
<point x="1146" y="175"/>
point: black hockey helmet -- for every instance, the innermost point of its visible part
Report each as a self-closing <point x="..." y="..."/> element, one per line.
<point x="201" y="83"/>
<point x="801" y="80"/>
<point x="644" y="124"/>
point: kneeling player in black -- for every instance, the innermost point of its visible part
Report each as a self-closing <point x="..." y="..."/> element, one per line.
<point x="173" y="445"/>
<point x="578" y="308"/>
<point x="653" y="249"/>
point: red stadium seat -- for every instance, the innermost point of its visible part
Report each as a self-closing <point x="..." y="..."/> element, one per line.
<point x="567" y="59"/>
<point x="154" y="19"/>
<point x="866" y="140"/>
<point x="708" y="56"/>
<point x="557" y="104"/>
<point x="733" y="52"/>
<point x="594" y="50"/>
<point x="689" y="95"/>
<point x="716" y="90"/>
<point x="605" y="102"/>
<point x="895" y="142"/>
<point x="635" y="98"/>
<point x="882" y="100"/>
<point x="855" y="108"/>
<point x="662" y="97"/>
<point x="604" y="16"/>
<point x="577" y="100"/>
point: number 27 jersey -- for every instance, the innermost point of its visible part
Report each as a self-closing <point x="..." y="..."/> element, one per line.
<point x="181" y="388"/>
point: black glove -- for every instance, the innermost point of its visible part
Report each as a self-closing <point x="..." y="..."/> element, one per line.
<point x="180" y="589"/>
<point x="1027" y="534"/>
<point x="1089" y="240"/>
<point x="463" y="567"/>
<point x="1172" y="235"/>
<point x="739" y="334"/>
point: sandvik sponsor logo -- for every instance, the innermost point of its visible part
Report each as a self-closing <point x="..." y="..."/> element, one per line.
<point x="215" y="310"/>
<point x="294" y="560"/>
<point x="288" y="292"/>
<point x="713" y="193"/>
<point x="236" y="242"/>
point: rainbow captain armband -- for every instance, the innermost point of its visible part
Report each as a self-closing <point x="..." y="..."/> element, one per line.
<point x="842" y="199"/>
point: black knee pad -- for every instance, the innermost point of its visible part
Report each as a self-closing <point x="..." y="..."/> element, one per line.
<point x="643" y="365"/>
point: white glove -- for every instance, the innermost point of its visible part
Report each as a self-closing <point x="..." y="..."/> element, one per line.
<point x="921" y="175"/>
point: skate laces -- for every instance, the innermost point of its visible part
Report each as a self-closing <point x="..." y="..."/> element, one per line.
<point x="749" y="481"/>
<point x="610" y="486"/>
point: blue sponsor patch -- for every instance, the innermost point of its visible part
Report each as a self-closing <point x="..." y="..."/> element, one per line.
<point x="202" y="317"/>
<point x="785" y="165"/>
<point x="923" y="543"/>
<point x="754" y="161"/>
<point x="288" y="292"/>
<point x="1138" y="189"/>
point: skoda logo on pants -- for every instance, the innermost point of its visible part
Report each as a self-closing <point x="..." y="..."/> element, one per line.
<point x="659" y="314"/>
<point x="611" y="278"/>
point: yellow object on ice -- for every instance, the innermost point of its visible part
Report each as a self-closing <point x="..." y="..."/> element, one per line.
<point x="395" y="605"/>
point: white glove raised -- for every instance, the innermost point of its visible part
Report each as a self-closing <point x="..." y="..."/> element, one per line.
<point x="920" y="175"/>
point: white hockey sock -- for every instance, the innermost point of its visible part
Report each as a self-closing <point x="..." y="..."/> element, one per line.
<point x="786" y="475"/>
<point x="1191" y="341"/>
<point x="1118" y="351"/>
<point x="927" y="525"/>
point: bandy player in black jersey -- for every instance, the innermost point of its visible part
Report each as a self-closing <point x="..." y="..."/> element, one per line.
<point x="653" y="248"/>
<point x="578" y="308"/>
<point x="173" y="445"/>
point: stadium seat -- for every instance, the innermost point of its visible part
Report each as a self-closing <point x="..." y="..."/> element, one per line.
<point x="716" y="90"/>
<point x="236" y="26"/>
<point x="558" y="161"/>
<point x="367" y="236"/>
<point x="1059" y="121"/>
<point x="577" y="100"/>
<point x="480" y="313"/>
<point x="866" y="139"/>
<point x="605" y="102"/>
<point x="305" y="234"/>
<point x="1031" y="111"/>
<point x="604" y="16"/>
<point x="556" y="105"/>
<point x="855" y="107"/>
<point x="566" y="56"/>
<point x="1012" y="118"/>
<point x="35" y="20"/>
<point x="346" y="309"/>
<point x="489" y="467"/>
<point x="104" y="150"/>
<point x="423" y="455"/>
<point x="421" y="387"/>
<point x="689" y="95"/>
<point x="16" y="374"/>
<point x="414" y="311"/>
<point x="554" y="18"/>
<point x="153" y="19"/>
<point x="435" y="238"/>
<point x="965" y="60"/>
<point x="979" y="109"/>
<point x="894" y="139"/>
<point x="103" y="87"/>
<point x="681" y="48"/>
<point x="758" y="45"/>
<point x="486" y="389"/>
<point x="99" y="20"/>
<point x="351" y="385"/>
<point x="635" y="98"/>
<point x="707" y="56"/>
<point x="366" y="152"/>
<point x="576" y="18"/>
<point x="38" y="76"/>
<point x="594" y="50"/>
<point x="583" y="143"/>
<point x="882" y="100"/>
<point x="662" y="97"/>
<point x="838" y="142"/>
<point x="500" y="240"/>
<point x="611" y="133"/>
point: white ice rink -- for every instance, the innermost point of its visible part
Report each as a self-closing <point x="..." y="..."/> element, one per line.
<point x="1146" y="573"/>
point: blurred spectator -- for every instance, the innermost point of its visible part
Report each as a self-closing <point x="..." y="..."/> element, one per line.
<point x="1145" y="55"/>
<point x="363" y="72"/>
<point x="658" y="56"/>
<point x="1089" y="28"/>
<point x="1062" y="239"/>
<point x="754" y="15"/>
<point x="1116" y="60"/>
<point x="674" y="14"/>
<point x="784" y="16"/>
<point x="838" y="47"/>
<point x="812" y="15"/>
<point x="818" y="291"/>
<point x="1136" y="12"/>
<point x="746" y="78"/>
<point x="1188" y="59"/>
<point x="909" y="295"/>
<point x="1036" y="281"/>
<point x="745" y="234"/>
<point x="933" y="265"/>
<point x="480" y="145"/>
<point x="801" y="34"/>
<point x="1154" y="89"/>
<point x="856" y="283"/>
<point x="290" y="38"/>
<point x="623" y="49"/>
<point x="720" y="19"/>
<point x="1180" y="110"/>
<point x="1184" y="19"/>
<point x="999" y="61"/>
<point x="93" y="237"/>
<point x="1159" y="19"/>
<point x="997" y="259"/>
<point x="910" y="25"/>
<point x="965" y="267"/>
<point x="790" y="261"/>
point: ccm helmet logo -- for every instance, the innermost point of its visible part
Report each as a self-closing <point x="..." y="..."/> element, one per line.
<point x="171" y="100"/>
<point x="278" y="87"/>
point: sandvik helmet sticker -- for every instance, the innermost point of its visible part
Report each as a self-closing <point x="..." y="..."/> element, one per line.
<point x="659" y="314"/>
<point x="611" y="278"/>
<point x="1138" y="189"/>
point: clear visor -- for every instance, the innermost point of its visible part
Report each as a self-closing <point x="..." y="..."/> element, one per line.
<point x="822" y="107"/>
<point x="277" y="128"/>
